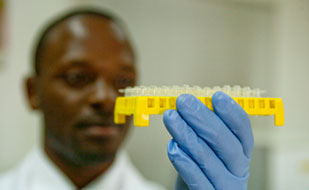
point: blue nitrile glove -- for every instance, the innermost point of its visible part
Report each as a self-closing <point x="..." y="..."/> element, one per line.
<point x="210" y="150"/>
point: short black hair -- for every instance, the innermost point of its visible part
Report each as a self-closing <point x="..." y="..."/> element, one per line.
<point x="37" y="50"/>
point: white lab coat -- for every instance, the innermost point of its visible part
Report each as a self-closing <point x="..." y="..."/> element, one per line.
<point x="37" y="172"/>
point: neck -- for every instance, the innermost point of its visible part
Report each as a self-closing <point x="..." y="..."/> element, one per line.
<point x="80" y="176"/>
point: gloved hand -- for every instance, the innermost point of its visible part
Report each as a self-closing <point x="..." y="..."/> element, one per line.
<point x="210" y="150"/>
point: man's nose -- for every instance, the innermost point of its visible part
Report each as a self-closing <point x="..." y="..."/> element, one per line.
<point x="102" y="96"/>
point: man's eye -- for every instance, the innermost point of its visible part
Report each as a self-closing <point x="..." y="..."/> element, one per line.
<point x="123" y="83"/>
<point x="78" y="79"/>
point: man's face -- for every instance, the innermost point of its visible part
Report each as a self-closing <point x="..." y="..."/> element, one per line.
<point x="85" y="61"/>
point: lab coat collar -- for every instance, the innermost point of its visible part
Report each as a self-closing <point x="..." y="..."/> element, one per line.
<point x="46" y="176"/>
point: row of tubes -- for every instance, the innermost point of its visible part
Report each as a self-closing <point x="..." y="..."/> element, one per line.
<point x="234" y="91"/>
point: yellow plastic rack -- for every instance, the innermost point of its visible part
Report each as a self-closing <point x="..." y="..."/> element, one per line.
<point x="143" y="106"/>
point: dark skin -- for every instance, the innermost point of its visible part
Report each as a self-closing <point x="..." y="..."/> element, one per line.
<point x="85" y="60"/>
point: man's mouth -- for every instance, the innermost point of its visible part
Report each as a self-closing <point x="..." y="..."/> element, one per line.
<point x="98" y="130"/>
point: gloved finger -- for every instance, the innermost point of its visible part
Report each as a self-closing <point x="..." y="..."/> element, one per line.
<point x="212" y="129"/>
<point x="235" y="118"/>
<point x="180" y="184"/>
<point x="187" y="168"/>
<point x="195" y="147"/>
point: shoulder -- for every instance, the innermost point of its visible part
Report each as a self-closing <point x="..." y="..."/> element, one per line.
<point x="12" y="179"/>
<point x="135" y="180"/>
<point x="7" y="180"/>
<point x="16" y="177"/>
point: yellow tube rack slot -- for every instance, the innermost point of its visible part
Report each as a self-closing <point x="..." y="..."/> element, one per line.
<point x="143" y="106"/>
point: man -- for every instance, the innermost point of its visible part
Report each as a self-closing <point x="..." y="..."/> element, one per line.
<point x="81" y="61"/>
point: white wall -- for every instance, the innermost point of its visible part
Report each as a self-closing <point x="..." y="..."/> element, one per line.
<point x="290" y="157"/>
<point x="178" y="41"/>
<point x="19" y="127"/>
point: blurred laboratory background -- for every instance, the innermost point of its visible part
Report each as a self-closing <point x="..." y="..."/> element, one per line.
<point x="256" y="43"/>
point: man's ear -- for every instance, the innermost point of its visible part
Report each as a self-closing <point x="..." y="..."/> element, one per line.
<point x="31" y="92"/>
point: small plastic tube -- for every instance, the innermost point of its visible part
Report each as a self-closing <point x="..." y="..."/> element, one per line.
<point x="206" y="91"/>
<point x="197" y="91"/>
<point x="246" y="92"/>
<point x="128" y="91"/>
<point x="164" y="91"/>
<point x="237" y="90"/>
<point x="226" y="89"/>
<point x="174" y="90"/>
<point x="181" y="90"/>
